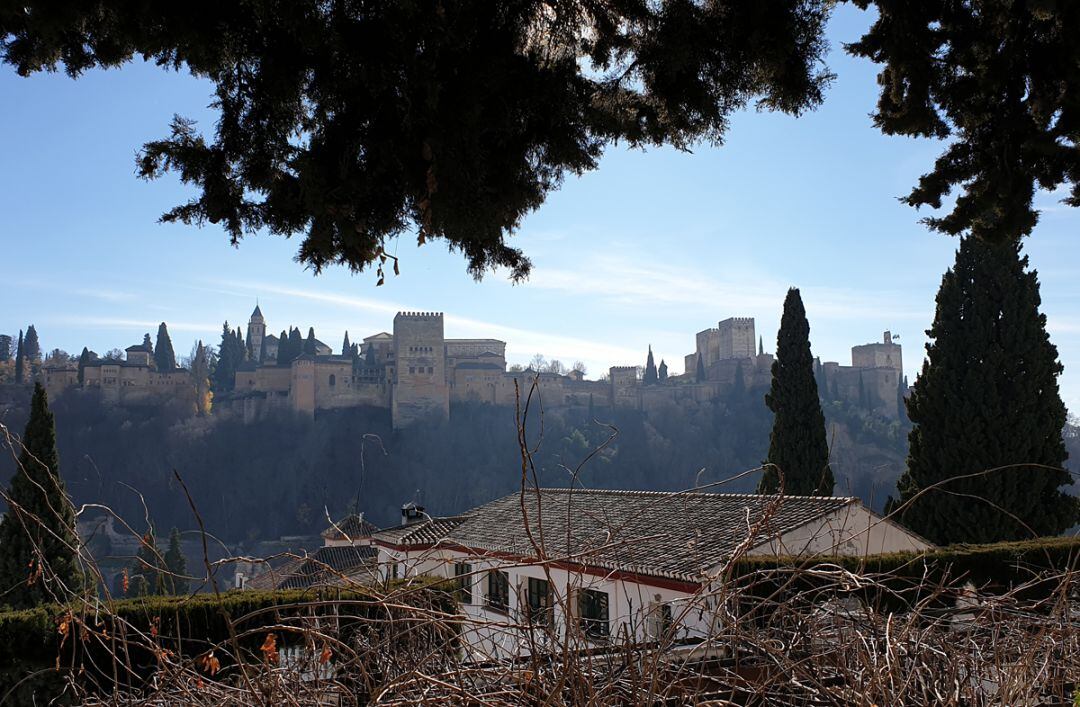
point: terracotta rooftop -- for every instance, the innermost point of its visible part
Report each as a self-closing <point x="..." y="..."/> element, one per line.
<point x="667" y="534"/>
<point x="327" y="565"/>
<point x="350" y="528"/>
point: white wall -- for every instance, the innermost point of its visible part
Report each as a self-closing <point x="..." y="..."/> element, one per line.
<point x="852" y="531"/>
<point x="493" y="634"/>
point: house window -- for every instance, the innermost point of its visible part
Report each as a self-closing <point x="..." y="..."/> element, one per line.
<point x="333" y="380"/>
<point x="538" y="595"/>
<point x="593" y="613"/>
<point x="463" y="578"/>
<point x="660" y="618"/>
<point x="412" y="369"/>
<point x="430" y="370"/>
<point x="498" y="590"/>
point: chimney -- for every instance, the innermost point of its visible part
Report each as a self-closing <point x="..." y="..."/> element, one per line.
<point x="412" y="513"/>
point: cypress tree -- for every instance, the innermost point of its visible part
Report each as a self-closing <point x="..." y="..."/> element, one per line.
<point x="175" y="566"/>
<point x="346" y="347"/>
<point x="240" y="351"/>
<point x="224" y="376"/>
<point x="987" y="399"/>
<point x="5" y="348"/>
<point x="700" y="369"/>
<point x="738" y="385"/>
<point x="662" y="371"/>
<point x="38" y="542"/>
<point x="33" y="348"/>
<point x="864" y="402"/>
<point x="901" y="396"/>
<point x="650" y="376"/>
<point x="296" y="344"/>
<point x="761" y="346"/>
<point x="164" y="356"/>
<point x="147" y="343"/>
<point x="309" y="343"/>
<point x="797" y="444"/>
<point x="283" y="349"/>
<point x="84" y="358"/>
<point x="20" y="360"/>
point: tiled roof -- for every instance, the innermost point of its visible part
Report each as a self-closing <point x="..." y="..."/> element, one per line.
<point x="140" y="347"/>
<point x="326" y="565"/>
<point x="426" y="532"/>
<point x="667" y="534"/>
<point x="350" y="528"/>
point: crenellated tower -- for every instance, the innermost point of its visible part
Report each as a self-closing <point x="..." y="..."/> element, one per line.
<point x="420" y="388"/>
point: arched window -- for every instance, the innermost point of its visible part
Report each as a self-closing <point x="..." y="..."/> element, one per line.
<point x="333" y="380"/>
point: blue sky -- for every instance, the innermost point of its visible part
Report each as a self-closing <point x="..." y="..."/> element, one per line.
<point x="648" y="249"/>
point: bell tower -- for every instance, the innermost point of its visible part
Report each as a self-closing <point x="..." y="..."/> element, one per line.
<point x="256" y="332"/>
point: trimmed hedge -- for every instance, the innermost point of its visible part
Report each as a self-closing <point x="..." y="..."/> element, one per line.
<point x="51" y="642"/>
<point x="1030" y="568"/>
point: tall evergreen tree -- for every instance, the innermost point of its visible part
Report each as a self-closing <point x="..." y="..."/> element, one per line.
<point x="38" y="542"/>
<point x="296" y="343"/>
<point x="84" y="358"/>
<point x="662" y="371"/>
<point x="175" y="566"/>
<point x="798" y="443"/>
<point x="20" y="360"/>
<point x="309" y="342"/>
<point x="987" y="399"/>
<point x="650" y="377"/>
<point x="164" y="356"/>
<point x="738" y="385"/>
<point x="147" y="343"/>
<point x="239" y="349"/>
<point x="700" y="369"/>
<point x="346" y="347"/>
<point x="224" y="377"/>
<point x="5" y="348"/>
<point x="33" y="347"/>
<point x="864" y="401"/>
<point x="761" y="345"/>
<point x="283" y="349"/>
<point x="901" y="397"/>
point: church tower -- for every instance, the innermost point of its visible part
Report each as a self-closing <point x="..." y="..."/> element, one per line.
<point x="256" y="332"/>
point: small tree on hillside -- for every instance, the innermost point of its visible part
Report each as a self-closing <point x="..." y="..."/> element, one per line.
<point x="147" y="343"/>
<point x="700" y="374"/>
<point x="662" y="372"/>
<point x="38" y="543"/>
<point x="5" y="348"/>
<point x="798" y="445"/>
<point x="200" y="378"/>
<point x="986" y="407"/>
<point x="175" y="566"/>
<point x="164" y="355"/>
<point x="145" y="575"/>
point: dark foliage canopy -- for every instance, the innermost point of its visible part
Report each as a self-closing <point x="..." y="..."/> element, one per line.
<point x="997" y="77"/>
<point x="987" y="405"/>
<point x="38" y="544"/>
<point x="798" y="445"/>
<point x="355" y="122"/>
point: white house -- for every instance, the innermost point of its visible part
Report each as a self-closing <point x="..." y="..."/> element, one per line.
<point x="602" y="566"/>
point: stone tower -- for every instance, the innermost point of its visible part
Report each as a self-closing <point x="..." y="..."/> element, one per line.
<point x="419" y="379"/>
<point x="256" y="332"/>
<point x="736" y="338"/>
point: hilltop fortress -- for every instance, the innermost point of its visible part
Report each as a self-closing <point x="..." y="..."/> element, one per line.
<point x="416" y="373"/>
